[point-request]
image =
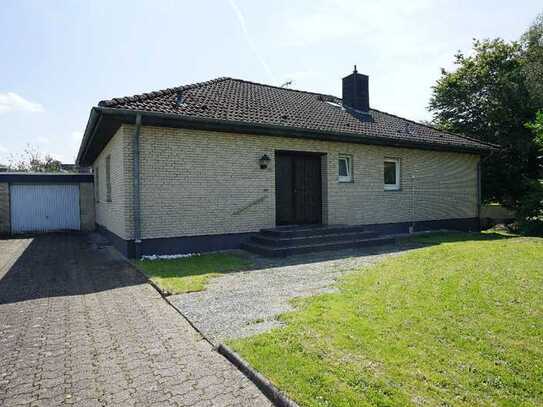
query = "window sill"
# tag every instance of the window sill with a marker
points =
(394, 189)
(345, 181)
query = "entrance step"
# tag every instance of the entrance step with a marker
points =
(289, 240)
(311, 230)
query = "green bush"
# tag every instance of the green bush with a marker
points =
(530, 210)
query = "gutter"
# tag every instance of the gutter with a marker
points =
(95, 118)
(136, 185)
(161, 119)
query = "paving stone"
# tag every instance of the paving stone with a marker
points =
(78, 325)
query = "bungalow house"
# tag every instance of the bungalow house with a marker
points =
(227, 162)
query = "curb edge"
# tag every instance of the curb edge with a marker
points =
(263, 384)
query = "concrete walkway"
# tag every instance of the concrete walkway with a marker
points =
(247, 303)
(80, 326)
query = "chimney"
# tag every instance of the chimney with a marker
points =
(355, 92)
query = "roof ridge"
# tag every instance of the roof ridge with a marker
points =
(148, 95)
(437, 129)
(282, 88)
(160, 92)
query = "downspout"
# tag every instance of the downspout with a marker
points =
(136, 186)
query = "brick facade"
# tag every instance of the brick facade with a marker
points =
(197, 183)
(116, 216)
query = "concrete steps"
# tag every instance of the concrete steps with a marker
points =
(290, 240)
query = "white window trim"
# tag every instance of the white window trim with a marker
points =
(349, 177)
(396, 186)
(108, 178)
(97, 183)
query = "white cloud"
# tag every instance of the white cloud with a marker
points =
(3, 149)
(332, 20)
(77, 136)
(249, 38)
(42, 140)
(302, 75)
(12, 102)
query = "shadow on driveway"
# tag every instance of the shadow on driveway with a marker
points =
(60, 265)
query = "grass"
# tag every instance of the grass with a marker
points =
(457, 323)
(190, 274)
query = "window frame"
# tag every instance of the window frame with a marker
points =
(97, 183)
(395, 186)
(108, 178)
(349, 177)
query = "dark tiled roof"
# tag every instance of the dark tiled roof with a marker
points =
(236, 100)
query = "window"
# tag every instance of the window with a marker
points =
(108, 178)
(392, 174)
(345, 168)
(97, 184)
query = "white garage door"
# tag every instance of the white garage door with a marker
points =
(44, 208)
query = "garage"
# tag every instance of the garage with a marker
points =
(39, 203)
(44, 208)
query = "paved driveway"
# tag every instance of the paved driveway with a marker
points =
(80, 326)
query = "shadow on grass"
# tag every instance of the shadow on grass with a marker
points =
(189, 274)
(453, 237)
(403, 243)
(185, 275)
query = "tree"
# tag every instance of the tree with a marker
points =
(32, 161)
(532, 43)
(537, 129)
(491, 96)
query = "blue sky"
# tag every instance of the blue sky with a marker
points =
(59, 58)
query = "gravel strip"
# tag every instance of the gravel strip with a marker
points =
(247, 303)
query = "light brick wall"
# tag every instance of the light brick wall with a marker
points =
(4, 209)
(195, 183)
(86, 206)
(115, 215)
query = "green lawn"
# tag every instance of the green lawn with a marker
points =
(457, 323)
(190, 274)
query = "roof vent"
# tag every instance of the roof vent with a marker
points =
(179, 100)
(406, 131)
(356, 92)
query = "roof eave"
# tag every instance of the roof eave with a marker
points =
(177, 121)
(90, 129)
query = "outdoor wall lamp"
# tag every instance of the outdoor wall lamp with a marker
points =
(264, 161)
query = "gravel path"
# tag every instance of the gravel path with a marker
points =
(247, 303)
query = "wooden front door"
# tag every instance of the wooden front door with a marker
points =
(298, 192)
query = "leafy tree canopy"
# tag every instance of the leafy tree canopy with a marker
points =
(33, 161)
(491, 95)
